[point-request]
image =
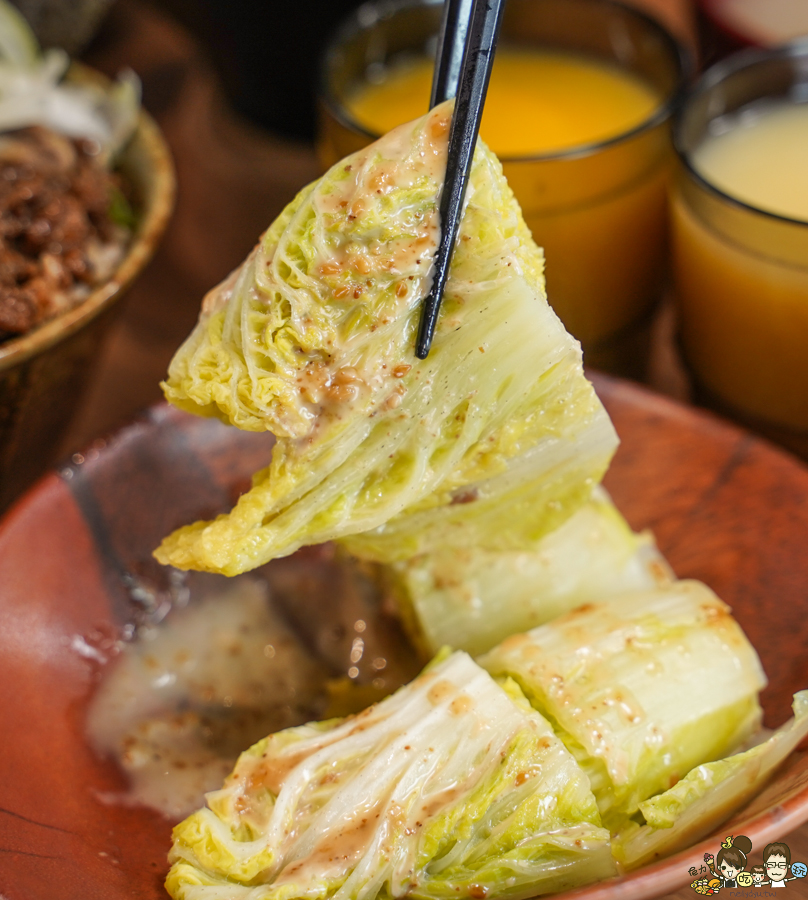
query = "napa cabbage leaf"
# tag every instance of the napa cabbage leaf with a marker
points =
(451, 787)
(473, 597)
(494, 439)
(641, 688)
(707, 795)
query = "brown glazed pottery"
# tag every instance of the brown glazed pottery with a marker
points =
(43, 374)
(726, 508)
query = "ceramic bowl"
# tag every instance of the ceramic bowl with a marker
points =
(726, 508)
(43, 374)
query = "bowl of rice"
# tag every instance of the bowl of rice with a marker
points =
(86, 191)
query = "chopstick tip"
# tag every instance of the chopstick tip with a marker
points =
(426, 328)
(423, 346)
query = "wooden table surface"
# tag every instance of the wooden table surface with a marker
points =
(233, 180)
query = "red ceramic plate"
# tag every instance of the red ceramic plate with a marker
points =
(726, 508)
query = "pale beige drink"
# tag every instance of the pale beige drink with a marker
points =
(744, 298)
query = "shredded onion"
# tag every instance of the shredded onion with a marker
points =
(33, 92)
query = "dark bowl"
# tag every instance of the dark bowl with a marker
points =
(726, 507)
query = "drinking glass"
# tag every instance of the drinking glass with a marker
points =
(599, 210)
(741, 273)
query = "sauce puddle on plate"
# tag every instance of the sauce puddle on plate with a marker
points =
(305, 639)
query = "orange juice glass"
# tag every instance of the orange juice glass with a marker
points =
(583, 134)
(740, 239)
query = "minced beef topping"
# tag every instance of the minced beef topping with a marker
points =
(57, 240)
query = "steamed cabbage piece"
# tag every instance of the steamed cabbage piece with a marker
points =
(704, 798)
(472, 598)
(495, 439)
(641, 688)
(452, 787)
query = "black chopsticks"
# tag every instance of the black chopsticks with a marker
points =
(478, 21)
(454, 27)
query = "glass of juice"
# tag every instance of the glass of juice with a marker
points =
(740, 239)
(578, 110)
